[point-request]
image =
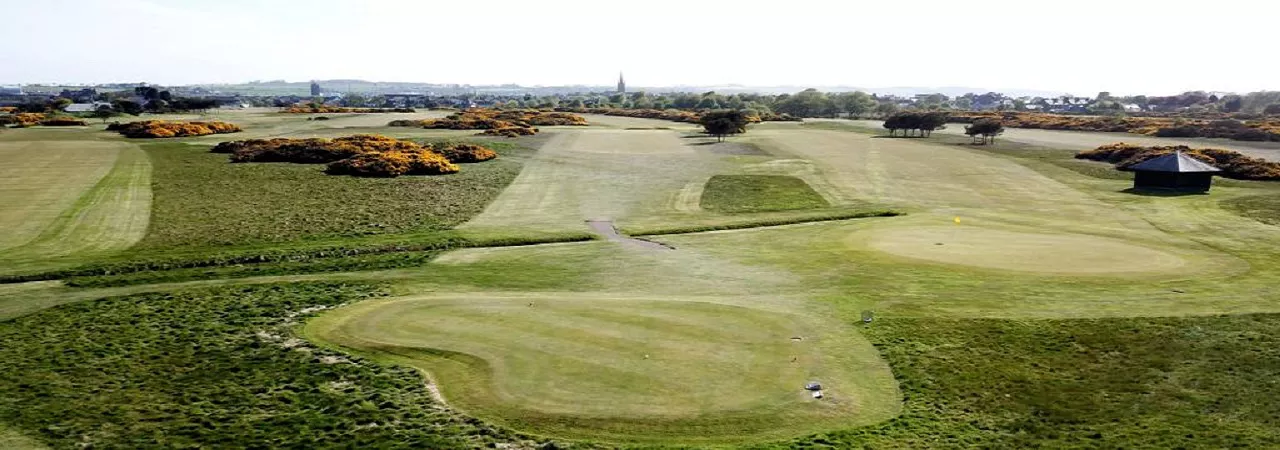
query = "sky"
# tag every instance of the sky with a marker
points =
(1079, 46)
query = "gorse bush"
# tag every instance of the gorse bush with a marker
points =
(360, 155)
(509, 132)
(1248, 130)
(1233, 164)
(166, 129)
(497, 122)
(466, 153)
(63, 121)
(393, 164)
(23, 119)
(311, 151)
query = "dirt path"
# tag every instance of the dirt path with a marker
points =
(605, 228)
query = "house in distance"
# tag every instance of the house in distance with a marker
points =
(1175, 171)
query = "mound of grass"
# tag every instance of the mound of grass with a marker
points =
(200, 200)
(624, 369)
(757, 193)
(371, 253)
(1204, 382)
(1263, 208)
(378, 261)
(213, 368)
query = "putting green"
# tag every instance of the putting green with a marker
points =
(1030, 252)
(627, 368)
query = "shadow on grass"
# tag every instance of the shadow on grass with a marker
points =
(881, 136)
(1162, 192)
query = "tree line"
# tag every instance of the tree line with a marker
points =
(916, 123)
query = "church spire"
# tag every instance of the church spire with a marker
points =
(622, 85)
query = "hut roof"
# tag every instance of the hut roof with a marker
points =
(1174, 162)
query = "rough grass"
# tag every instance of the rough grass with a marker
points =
(1205, 382)
(625, 368)
(1264, 208)
(756, 193)
(213, 367)
(202, 200)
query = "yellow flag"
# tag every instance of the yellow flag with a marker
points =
(957, 220)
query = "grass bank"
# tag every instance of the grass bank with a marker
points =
(757, 193)
(1203, 382)
(214, 367)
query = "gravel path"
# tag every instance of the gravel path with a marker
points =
(605, 228)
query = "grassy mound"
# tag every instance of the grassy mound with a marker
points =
(1201, 382)
(212, 368)
(1074, 254)
(623, 368)
(1233, 164)
(165, 129)
(1263, 208)
(757, 193)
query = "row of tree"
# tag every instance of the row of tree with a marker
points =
(916, 123)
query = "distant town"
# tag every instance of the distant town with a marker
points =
(358, 93)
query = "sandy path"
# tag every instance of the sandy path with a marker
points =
(605, 228)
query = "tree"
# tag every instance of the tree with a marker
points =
(922, 122)
(886, 109)
(806, 103)
(856, 104)
(1272, 109)
(128, 107)
(105, 112)
(987, 129)
(147, 92)
(156, 105)
(724, 123)
(1233, 104)
(60, 104)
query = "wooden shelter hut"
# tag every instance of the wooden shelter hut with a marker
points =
(1175, 171)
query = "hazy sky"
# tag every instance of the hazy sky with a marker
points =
(1078, 46)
